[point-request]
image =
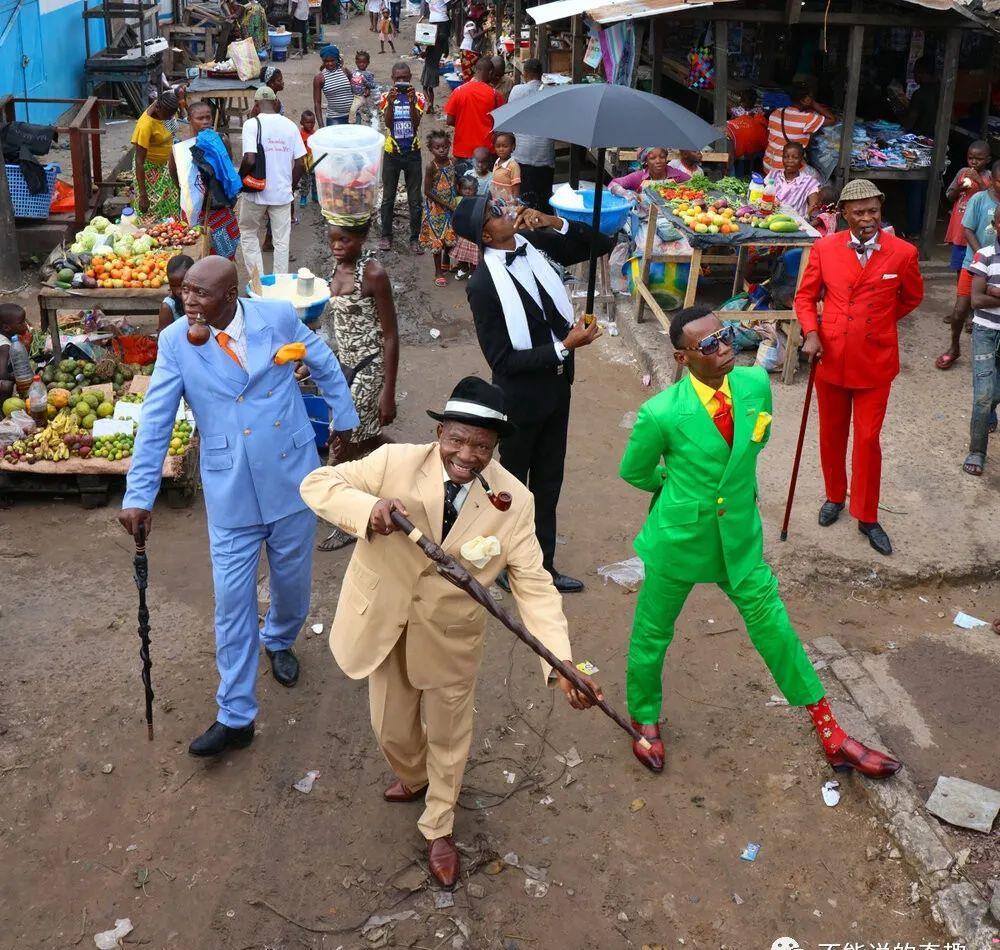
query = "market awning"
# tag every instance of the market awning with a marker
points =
(612, 11)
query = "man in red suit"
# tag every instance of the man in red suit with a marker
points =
(868, 280)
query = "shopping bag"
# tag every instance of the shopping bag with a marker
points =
(426, 34)
(244, 56)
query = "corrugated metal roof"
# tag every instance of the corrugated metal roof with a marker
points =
(612, 11)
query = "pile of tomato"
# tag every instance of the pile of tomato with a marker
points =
(174, 234)
(680, 192)
(144, 270)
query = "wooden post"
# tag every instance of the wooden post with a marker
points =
(721, 94)
(942, 129)
(658, 26)
(518, 7)
(579, 35)
(542, 45)
(10, 261)
(855, 46)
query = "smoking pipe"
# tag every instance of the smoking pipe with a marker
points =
(198, 333)
(499, 500)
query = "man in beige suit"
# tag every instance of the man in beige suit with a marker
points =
(418, 638)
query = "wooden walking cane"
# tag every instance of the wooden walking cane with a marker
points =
(452, 571)
(798, 449)
(141, 581)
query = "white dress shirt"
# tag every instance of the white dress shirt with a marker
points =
(521, 271)
(463, 492)
(237, 335)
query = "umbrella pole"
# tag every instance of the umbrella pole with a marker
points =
(588, 313)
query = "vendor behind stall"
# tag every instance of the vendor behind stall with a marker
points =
(795, 186)
(655, 167)
(156, 194)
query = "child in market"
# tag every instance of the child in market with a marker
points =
(13, 323)
(482, 166)
(970, 180)
(385, 30)
(686, 166)
(465, 253)
(506, 183)
(362, 83)
(440, 199)
(172, 307)
(307, 184)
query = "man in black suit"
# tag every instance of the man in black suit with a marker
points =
(524, 321)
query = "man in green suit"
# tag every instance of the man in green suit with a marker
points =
(695, 448)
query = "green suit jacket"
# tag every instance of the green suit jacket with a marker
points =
(703, 523)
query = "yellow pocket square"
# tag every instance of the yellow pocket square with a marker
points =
(289, 353)
(760, 426)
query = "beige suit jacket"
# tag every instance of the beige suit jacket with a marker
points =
(391, 586)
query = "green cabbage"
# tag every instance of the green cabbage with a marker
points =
(100, 223)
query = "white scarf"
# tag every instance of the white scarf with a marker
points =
(513, 309)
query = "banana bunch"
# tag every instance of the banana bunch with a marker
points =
(65, 423)
(47, 445)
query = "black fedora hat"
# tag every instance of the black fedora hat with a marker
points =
(468, 218)
(476, 403)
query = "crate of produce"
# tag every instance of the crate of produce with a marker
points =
(24, 203)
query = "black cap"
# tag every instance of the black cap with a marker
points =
(476, 403)
(468, 218)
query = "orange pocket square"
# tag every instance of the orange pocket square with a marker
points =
(289, 353)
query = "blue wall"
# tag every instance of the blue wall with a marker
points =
(50, 34)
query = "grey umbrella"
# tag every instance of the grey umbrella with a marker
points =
(601, 115)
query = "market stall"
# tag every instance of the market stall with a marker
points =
(708, 224)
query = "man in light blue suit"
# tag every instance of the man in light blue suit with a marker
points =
(257, 444)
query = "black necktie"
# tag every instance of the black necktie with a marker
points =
(512, 256)
(451, 490)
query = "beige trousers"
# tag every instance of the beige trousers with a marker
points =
(429, 749)
(253, 219)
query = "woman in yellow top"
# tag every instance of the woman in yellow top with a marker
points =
(156, 194)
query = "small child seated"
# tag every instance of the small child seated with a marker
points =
(686, 166)
(13, 324)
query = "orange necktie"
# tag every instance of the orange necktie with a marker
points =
(723, 416)
(224, 339)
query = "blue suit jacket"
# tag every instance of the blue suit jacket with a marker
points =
(257, 443)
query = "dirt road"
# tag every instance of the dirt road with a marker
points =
(97, 824)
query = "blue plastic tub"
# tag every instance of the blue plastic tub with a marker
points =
(308, 314)
(454, 80)
(614, 210)
(319, 416)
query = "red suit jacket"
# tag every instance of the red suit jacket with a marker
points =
(861, 306)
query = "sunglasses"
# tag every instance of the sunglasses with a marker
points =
(709, 345)
(501, 208)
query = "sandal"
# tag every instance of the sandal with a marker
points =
(945, 361)
(974, 463)
(441, 281)
(335, 540)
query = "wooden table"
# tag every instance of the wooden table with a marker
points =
(645, 298)
(223, 94)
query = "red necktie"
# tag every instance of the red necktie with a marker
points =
(224, 339)
(723, 417)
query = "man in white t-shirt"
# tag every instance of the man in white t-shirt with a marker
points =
(284, 154)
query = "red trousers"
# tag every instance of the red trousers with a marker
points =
(836, 405)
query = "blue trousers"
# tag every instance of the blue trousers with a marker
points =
(235, 558)
(985, 385)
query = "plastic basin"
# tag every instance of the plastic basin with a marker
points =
(453, 80)
(614, 210)
(319, 416)
(307, 314)
(279, 40)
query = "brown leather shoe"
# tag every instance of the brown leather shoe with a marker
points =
(398, 792)
(856, 755)
(652, 757)
(442, 859)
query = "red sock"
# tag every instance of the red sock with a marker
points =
(827, 727)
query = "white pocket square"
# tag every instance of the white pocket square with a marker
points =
(889, 276)
(480, 550)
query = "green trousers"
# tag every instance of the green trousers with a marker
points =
(661, 599)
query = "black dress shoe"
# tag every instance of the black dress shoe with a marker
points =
(217, 738)
(566, 584)
(502, 581)
(877, 537)
(830, 512)
(284, 666)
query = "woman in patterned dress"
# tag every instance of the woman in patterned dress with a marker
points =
(361, 321)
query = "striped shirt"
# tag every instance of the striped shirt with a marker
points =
(799, 126)
(338, 92)
(986, 263)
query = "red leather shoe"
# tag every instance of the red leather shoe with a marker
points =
(398, 792)
(652, 757)
(856, 755)
(442, 859)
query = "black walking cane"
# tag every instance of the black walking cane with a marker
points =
(793, 481)
(141, 581)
